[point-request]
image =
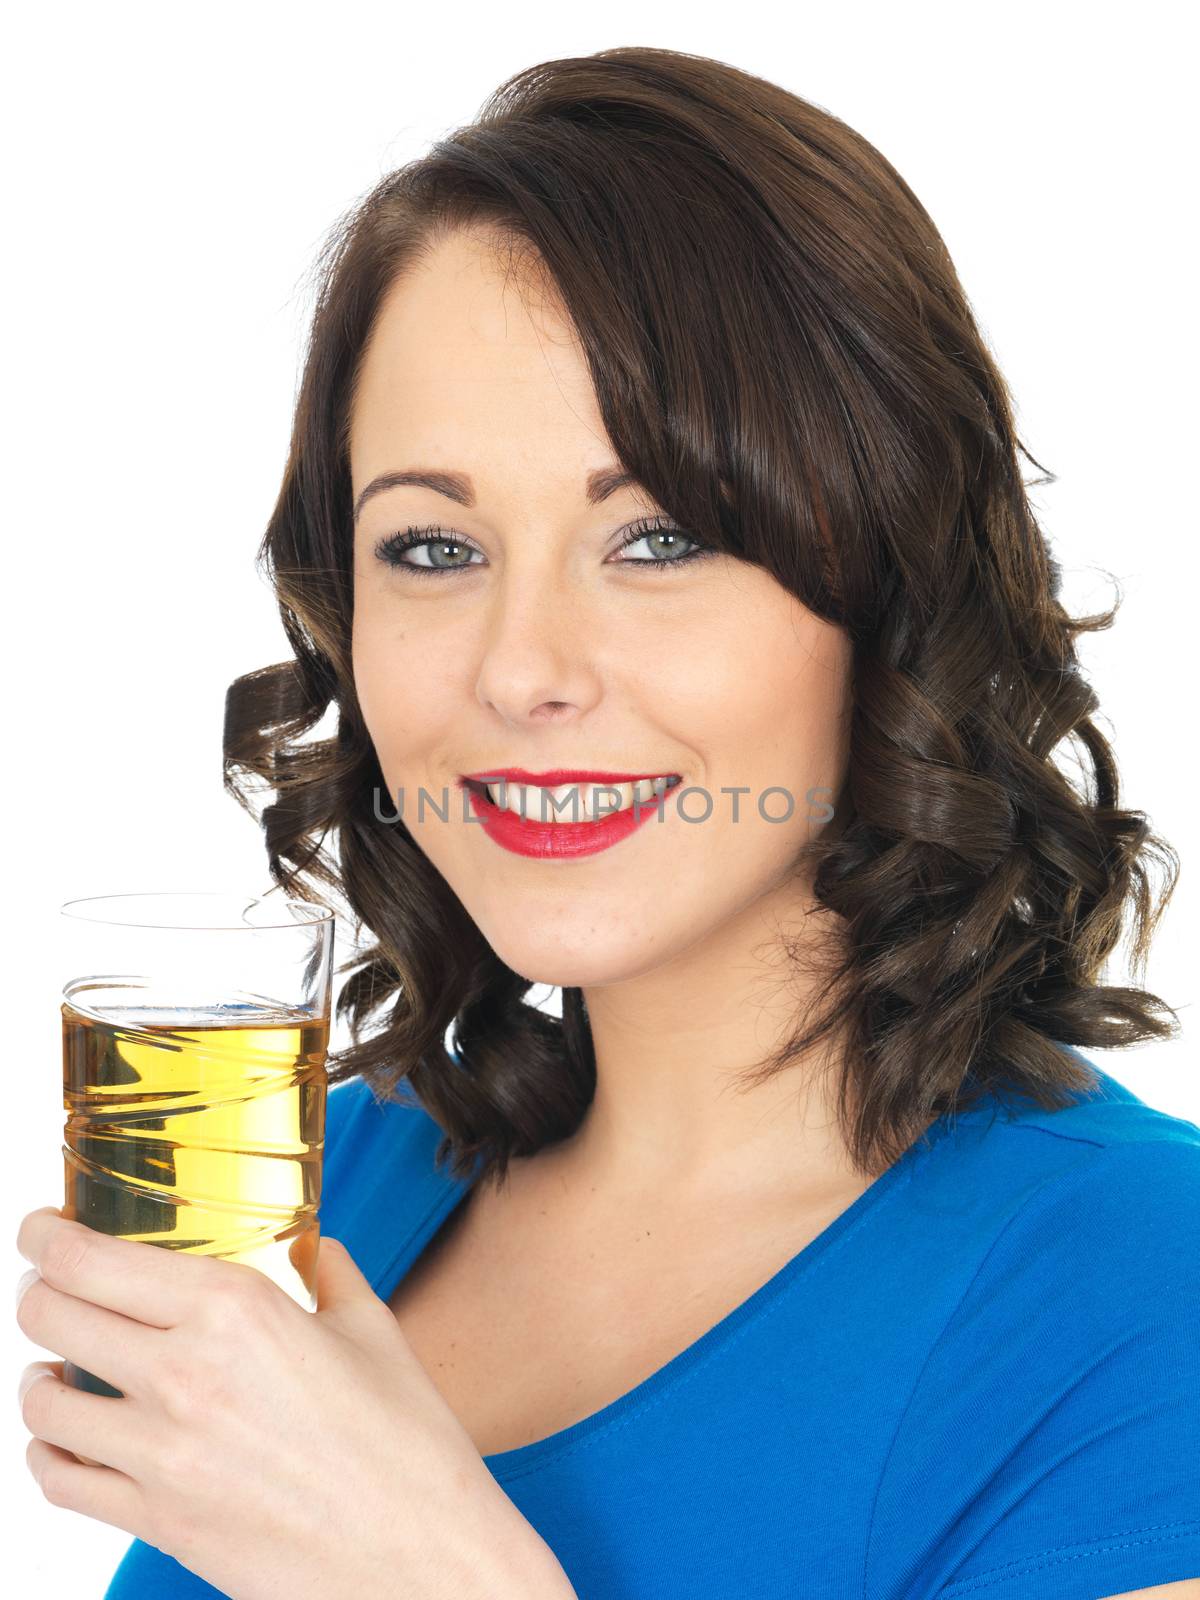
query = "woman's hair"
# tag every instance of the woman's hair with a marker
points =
(784, 358)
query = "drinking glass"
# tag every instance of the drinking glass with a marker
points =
(195, 1026)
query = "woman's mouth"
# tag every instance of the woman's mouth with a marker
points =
(568, 818)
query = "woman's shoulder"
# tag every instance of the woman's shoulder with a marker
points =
(380, 1175)
(1113, 1200)
(1056, 1406)
(1063, 1233)
(356, 1111)
(1055, 1240)
(1028, 1158)
(1110, 1113)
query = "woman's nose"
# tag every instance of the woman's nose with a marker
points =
(536, 651)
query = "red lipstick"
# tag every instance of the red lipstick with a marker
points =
(559, 840)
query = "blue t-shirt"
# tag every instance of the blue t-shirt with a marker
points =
(982, 1379)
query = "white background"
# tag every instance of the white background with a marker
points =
(170, 175)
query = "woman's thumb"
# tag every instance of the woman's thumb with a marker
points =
(340, 1284)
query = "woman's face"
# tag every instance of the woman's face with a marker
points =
(524, 636)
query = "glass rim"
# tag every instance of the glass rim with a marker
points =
(312, 915)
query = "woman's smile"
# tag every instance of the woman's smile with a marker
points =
(568, 819)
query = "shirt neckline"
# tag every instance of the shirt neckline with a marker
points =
(506, 1465)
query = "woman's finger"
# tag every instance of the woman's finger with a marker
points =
(144, 1281)
(103, 1430)
(98, 1492)
(102, 1342)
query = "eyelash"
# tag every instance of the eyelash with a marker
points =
(392, 546)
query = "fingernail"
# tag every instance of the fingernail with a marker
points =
(24, 1281)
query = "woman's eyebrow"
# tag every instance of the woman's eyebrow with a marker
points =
(457, 486)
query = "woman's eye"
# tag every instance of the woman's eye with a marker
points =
(442, 551)
(664, 541)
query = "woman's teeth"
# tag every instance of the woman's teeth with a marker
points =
(575, 802)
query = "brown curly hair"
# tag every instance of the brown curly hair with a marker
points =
(784, 358)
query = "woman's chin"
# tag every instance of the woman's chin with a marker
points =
(553, 961)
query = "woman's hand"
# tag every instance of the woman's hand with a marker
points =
(272, 1450)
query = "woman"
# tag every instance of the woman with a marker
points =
(654, 522)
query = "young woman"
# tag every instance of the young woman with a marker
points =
(654, 523)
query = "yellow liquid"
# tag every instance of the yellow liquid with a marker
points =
(198, 1132)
